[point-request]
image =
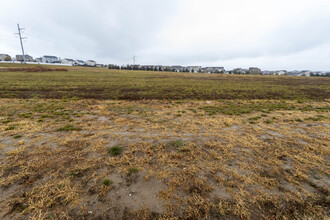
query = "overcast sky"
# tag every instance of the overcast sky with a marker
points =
(270, 34)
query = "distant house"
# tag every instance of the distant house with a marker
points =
(91, 63)
(147, 67)
(305, 73)
(134, 67)
(38, 60)
(68, 61)
(101, 65)
(239, 71)
(294, 73)
(194, 69)
(159, 68)
(49, 59)
(281, 72)
(267, 72)
(177, 68)
(254, 70)
(5, 57)
(213, 70)
(166, 68)
(20, 58)
(80, 63)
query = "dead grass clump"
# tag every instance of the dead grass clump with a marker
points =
(45, 200)
(198, 208)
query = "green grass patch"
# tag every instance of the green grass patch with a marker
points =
(176, 143)
(106, 182)
(68, 127)
(115, 150)
(10, 128)
(234, 108)
(17, 136)
(132, 170)
(75, 173)
(8, 120)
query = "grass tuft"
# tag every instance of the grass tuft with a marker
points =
(176, 143)
(10, 128)
(107, 182)
(68, 127)
(115, 150)
(17, 136)
(132, 170)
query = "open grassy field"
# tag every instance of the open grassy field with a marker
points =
(147, 145)
(101, 83)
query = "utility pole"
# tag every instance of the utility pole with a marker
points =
(134, 58)
(21, 38)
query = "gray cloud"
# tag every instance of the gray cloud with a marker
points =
(208, 32)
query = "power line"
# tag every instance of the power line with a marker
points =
(21, 38)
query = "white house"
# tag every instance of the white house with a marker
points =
(80, 63)
(281, 72)
(38, 60)
(214, 70)
(305, 73)
(177, 68)
(194, 69)
(68, 61)
(90, 63)
(49, 59)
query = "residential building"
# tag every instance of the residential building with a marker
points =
(147, 67)
(281, 72)
(194, 69)
(91, 63)
(68, 61)
(20, 58)
(305, 73)
(101, 65)
(254, 70)
(159, 68)
(5, 57)
(38, 60)
(238, 71)
(213, 70)
(80, 63)
(267, 72)
(177, 68)
(49, 59)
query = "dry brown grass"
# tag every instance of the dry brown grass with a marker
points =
(32, 69)
(187, 163)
